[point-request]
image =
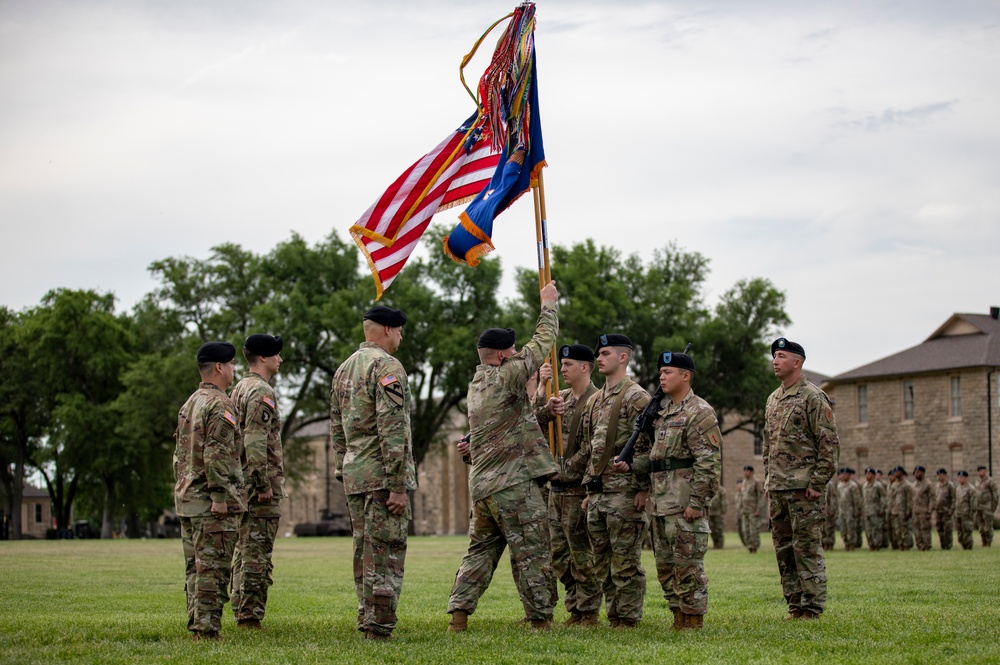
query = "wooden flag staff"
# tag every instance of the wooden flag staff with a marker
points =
(544, 277)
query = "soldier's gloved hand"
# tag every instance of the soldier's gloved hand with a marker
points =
(556, 406)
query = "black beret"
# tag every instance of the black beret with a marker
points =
(386, 316)
(678, 360)
(964, 473)
(944, 471)
(748, 467)
(580, 352)
(263, 345)
(786, 345)
(216, 352)
(497, 338)
(918, 468)
(841, 470)
(877, 471)
(613, 339)
(980, 468)
(870, 470)
(850, 470)
(902, 471)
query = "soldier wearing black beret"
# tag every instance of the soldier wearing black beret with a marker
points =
(923, 508)
(965, 510)
(386, 316)
(500, 339)
(945, 498)
(216, 352)
(987, 497)
(263, 468)
(752, 502)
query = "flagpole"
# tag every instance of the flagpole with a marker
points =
(544, 277)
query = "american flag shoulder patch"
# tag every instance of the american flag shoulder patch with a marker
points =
(268, 401)
(227, 414)
(388, 379)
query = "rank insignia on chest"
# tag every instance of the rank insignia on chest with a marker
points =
(230, 417)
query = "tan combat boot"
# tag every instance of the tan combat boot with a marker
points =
(694, 622)
(590, 619)
(678, 618)
(459, 622)
(541, 624)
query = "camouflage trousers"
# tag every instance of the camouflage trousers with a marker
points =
(887, 532)
(875, 531)
(679, 548)
(514, 516)
(252, 566)
(985, 520)
(572, 555)
(739, 528)
(717, 525)
(617, 532)
(922, 530)
(850, 531)
(945, 526)
(902, 533)
(965, 525)
(379, 555)
(208, 556)
(797, 531)
(516, 574)
(751, 531)
(829, 538)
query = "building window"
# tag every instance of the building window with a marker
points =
(956, 397)
(907, 400)
(862, 404)
(38, 513)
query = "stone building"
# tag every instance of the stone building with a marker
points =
(36, 512)
(935, 404)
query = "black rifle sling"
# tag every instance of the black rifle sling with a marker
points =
(609, 443)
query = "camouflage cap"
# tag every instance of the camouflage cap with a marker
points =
(216, 352)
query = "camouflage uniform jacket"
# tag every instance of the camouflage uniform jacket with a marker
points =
(718, 505)
(986, 494)
(944, 499)
(832, 499)
(801, 447)
(923, 496)
(260, 444)
(901, 499)
(207, 457)
(593, 437)
(506, 445)
(850, 500)
(875, 498)
(965, 500)
(688, 429)
(752, 492)
(370, 423)
(544, 417)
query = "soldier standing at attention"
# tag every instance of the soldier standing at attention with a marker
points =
(510, 458)
(902, 510)
(370, 433)
(263, 471)
(923, 504)
(717, 517)
(208, 492)
(885, 517)
(572, 556)
(874, 499)
(831, 499)
(752, 497)
(739, 511)
(944, 508)
(849, 509)
(986, 502)
(965, 510)
(616, 500)
(684, 469)
(801, 449)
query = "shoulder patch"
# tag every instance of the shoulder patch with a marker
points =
(388, 379)
(268, 401)
(227, 414)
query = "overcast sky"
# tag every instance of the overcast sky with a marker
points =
(847, 151)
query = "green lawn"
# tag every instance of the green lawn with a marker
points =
(123, 602)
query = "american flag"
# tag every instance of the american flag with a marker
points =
(449, 175)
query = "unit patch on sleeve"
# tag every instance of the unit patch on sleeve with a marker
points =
(393, 390)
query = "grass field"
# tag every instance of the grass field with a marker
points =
(123, 602)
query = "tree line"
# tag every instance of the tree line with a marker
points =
(89, 395)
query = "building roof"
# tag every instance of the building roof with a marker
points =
(32, 492)
(963, 341)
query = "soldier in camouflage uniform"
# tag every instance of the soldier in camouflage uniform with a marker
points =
(739, 511)
(965, 510)
(875, 499)
(986, 505)
(885, 517)
(923, 505)
(684, 465)
(370, 434)
(751, 498)
(849, 510)
(510, 458)
(831, 500)
(801, 449)
(616, 500)
(717, 517)
(944, 508)
(901, 505)
(209, 495)
(263, 469)
(572, 555)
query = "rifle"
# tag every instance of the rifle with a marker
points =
(643, 422)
